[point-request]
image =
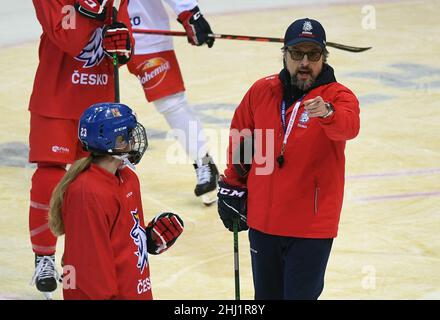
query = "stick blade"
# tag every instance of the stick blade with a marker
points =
(209, 198)
(116, 4)
(347, 48)
(48, 295)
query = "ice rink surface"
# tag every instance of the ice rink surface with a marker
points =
(389, 239)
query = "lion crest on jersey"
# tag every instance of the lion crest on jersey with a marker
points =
(93, 53)
(139, 236)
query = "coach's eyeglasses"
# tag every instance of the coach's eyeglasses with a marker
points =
(298, 55)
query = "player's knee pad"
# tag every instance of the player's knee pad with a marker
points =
(171, 103)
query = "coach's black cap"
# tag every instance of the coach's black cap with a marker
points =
(305, 30)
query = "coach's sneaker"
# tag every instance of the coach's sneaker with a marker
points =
(207, 177)
(45, 276)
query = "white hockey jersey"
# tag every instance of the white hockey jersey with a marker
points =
(151, 14)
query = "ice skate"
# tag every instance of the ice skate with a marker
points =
(207, 178)
(45, 276)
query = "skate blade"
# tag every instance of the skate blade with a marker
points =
(209, 198)
(48, 295)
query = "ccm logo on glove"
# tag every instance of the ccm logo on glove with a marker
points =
(232, 193)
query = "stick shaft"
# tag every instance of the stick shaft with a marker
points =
(116, 77)
(246, 38)
(236, 260)
(115, 9)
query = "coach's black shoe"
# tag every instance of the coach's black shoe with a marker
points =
(45, 276)
(207, 179)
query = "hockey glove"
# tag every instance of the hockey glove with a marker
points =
(163, 231)
(94, 9)
(116, 39)
(231, 205)
(196, 27)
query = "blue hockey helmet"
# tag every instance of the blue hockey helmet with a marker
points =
(112, 128)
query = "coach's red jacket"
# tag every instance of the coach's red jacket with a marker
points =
(304, 197)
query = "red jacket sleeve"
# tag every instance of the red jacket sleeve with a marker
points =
(88, 219)
(344, 123)
(242, 125)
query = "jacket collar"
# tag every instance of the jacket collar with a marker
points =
(291, 93)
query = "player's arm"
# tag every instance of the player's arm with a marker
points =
(344, 122)
(179, 6)
(232, 192)
(240, 148)
(124, 18)
(67, 29)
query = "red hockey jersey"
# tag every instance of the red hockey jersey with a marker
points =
(105, 254)
(74, 72)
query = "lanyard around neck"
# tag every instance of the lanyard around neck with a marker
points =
(289, 128)
(292, 118)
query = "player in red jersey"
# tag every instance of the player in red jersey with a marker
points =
(97, 205)
(74, 72)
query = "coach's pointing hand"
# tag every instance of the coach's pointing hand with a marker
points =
(317, 107)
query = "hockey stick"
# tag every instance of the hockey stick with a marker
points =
(236, 262)
(246, 38)
(116, 5)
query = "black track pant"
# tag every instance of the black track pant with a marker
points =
(288, 268)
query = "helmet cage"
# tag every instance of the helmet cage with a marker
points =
(139, 144)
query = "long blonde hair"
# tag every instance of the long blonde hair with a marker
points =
(56, 222)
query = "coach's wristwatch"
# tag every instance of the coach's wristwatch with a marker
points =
(330, 110)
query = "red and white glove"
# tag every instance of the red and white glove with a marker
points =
(94, 9)
(116, 39)
(196, 27)
(163, 231)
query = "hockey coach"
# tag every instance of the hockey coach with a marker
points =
(300, 119)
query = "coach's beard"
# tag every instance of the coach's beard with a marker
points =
(303, 84)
